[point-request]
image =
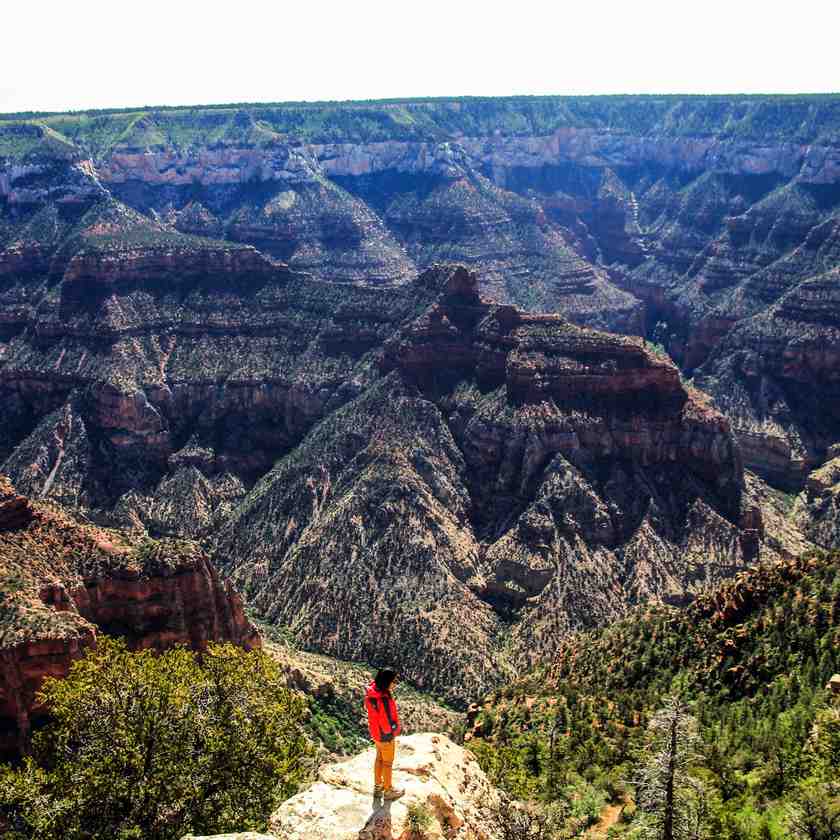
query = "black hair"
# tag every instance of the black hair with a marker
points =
(384, 678)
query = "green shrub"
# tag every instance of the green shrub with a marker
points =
(419, 819)
(154, 746)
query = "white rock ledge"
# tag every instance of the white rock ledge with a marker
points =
(435, 772)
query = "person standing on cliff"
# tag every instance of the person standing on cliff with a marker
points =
(384, 726)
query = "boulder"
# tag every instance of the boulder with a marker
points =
(438, 776)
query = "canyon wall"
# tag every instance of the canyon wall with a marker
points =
(510, 476)
(63, 582)
(680, 218)
(246, 325)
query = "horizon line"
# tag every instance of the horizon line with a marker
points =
(409, 100)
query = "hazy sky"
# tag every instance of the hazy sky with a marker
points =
(90, 54)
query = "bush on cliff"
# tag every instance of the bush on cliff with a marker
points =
(145, 745)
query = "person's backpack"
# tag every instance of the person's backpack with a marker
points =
(383, 721)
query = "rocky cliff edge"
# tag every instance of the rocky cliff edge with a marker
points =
(440, 777)
(63, 581)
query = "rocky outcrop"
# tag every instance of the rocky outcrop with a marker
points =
(817, 509)
(63, 582)
(437, 775)
(528, 474)
(15, 510)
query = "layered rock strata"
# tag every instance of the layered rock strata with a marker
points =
(161, 348)
(675, 218)
(817, 509)
(63, 582)
(508, 470)
(161, 373)
(754, 318)
(551, 474)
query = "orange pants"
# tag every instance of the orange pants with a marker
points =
(384, 762)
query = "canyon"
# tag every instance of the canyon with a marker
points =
(701, 222)
(491, 369)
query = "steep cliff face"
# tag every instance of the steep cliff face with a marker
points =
(510, 474)
(444, 208)
(378, 226)
(674, 218)
(62, 582)
(775, 373)
(747, 318)
(159, 374)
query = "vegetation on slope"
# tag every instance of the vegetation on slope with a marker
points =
(751, 659)
(152, 746)
(795, 118)
(335, 690)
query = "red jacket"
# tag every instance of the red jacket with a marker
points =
(383, 722)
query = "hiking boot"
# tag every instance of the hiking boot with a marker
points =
(393, 793)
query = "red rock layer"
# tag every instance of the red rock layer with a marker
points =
(63, 582)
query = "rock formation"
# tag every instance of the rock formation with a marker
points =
(508, 470)
(688, 220)
(61, 582)
(817, 510)
(437, 774)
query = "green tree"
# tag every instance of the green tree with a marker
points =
(823, 748)
(783, 749)
(155, 745)
(815, 811)
(510, 819)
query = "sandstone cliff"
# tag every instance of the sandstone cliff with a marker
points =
(61, 582)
